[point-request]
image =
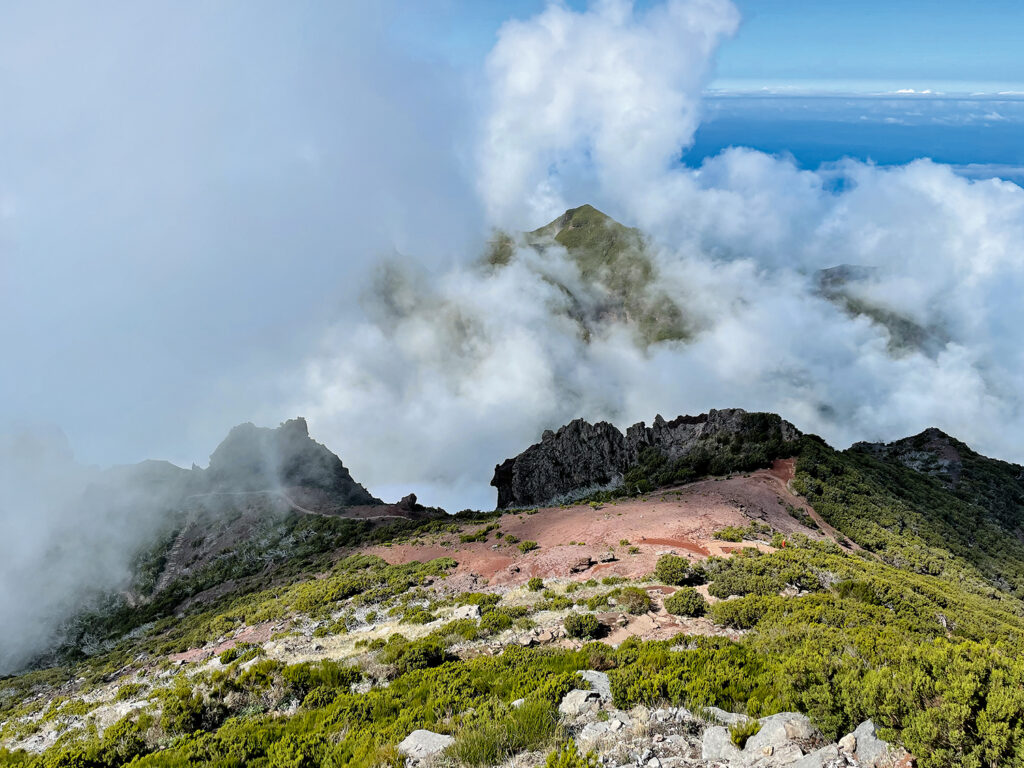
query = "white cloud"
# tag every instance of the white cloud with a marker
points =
(594, 107)
(610, 89)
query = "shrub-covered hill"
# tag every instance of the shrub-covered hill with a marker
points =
(619, 276)
(928, 504)
(332, 657)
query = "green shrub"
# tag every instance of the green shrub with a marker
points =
(743, 730)
(686, 601)
(634, 600)
(484, 599)
(129, 691)
(409, 656)
(857, 590)
(511, 538)
(744, 613)
(495, 621)
(535, 584)
(481, 535)
(241, 652)
(303, 678)
(674, 570)
(582, 625)
(528, 546)
(568, 756)
(466, 629)
(556, 603)
(182, 710)
(417, 615)
(730, 533)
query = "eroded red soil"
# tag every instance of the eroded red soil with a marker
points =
(623, 538)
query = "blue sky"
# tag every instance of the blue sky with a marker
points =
(917, 41)
(774, 80)
(906, 43)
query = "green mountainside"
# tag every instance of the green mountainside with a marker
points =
(297, 647)
(620, 278)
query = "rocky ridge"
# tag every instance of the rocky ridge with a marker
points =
(582, 457)
(931, 452)
(676, 737)
(255, 458)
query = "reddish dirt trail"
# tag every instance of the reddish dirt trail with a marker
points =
(785, 470)
(681, 520)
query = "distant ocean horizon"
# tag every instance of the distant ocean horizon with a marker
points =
(980, 137)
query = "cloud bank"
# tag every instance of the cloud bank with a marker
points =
(208, 231)
(453, 372)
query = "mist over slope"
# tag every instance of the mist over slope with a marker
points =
(79, 538)
(716, 298)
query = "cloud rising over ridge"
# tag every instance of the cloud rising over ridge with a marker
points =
(229, 214)
(470, 365)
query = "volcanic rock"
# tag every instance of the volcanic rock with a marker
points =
(581, 458)
(255, 458)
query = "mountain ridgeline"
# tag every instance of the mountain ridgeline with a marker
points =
(583, 458)
(735, 593)
(927, 503)
(621, 280)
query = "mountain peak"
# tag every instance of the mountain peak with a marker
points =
(255, 458)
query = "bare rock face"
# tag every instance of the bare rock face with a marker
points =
(581, 458)
(932, 452)
(578, 456)
(254, 458)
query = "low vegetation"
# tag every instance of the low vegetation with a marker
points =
(740, 732)
(582, 625)
(921, 630)
(686, 601)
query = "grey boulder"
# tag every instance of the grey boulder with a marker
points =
(422, 744)
(778, 730)
(578, 703)
(599, 683)
(717, 745)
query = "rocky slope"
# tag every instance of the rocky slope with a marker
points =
(745, 596)
(581, 457)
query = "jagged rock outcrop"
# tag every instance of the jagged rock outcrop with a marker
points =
(582, 457)
(931, 452)
(255, 458)
(579, 456)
